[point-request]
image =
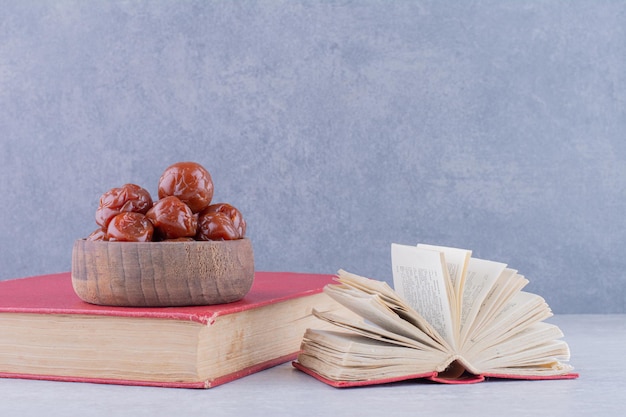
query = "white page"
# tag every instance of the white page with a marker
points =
(509, 284)
(538, 334)
(372, 331)
(523, 310)
(349, 283)
(373, 309)
(420, 277)
(457, 261)
(481, 277)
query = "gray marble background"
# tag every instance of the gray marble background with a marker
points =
(337, 127)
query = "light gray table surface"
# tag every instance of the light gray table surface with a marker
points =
(597, 342)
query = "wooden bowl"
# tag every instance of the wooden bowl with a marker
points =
(162, 274)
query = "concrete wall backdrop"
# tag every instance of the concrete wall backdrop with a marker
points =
(337, 127)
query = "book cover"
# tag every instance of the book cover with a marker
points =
(30, 308)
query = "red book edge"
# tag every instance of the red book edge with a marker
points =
(428, 376)
(54, 294)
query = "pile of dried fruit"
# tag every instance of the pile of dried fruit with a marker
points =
(183, 211)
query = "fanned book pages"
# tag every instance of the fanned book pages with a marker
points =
(450, 318)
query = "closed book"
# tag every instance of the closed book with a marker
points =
(48, 333)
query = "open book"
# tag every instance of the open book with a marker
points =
(452, 318)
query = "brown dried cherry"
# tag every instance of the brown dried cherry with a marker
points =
(128, 197)
(190, 182)
(172, 218)
(130, 227)
(233, 214)
(98, 234)
(216, 226)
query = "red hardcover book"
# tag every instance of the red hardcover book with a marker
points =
(47, 332)
(494, 330)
